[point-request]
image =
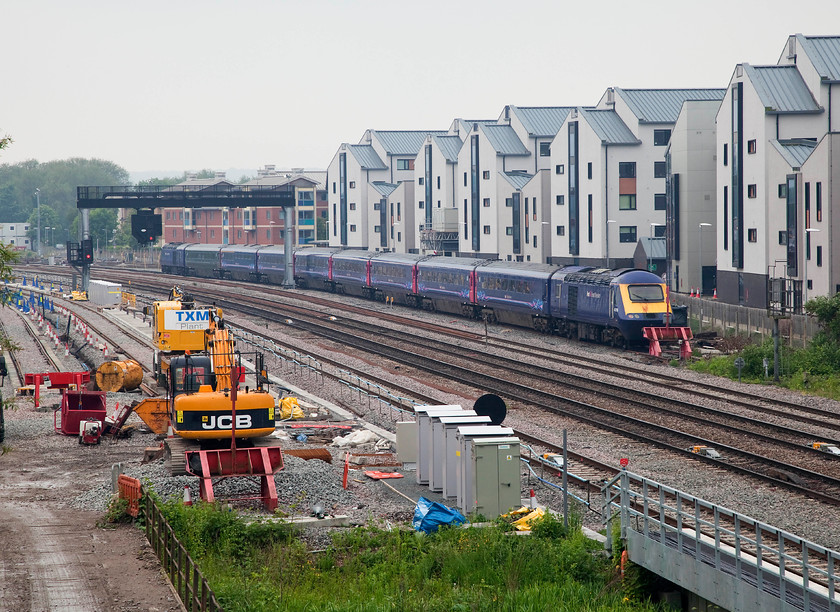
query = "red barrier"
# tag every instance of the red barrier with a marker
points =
(129, 488)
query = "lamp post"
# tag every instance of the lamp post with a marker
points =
(38, 201)
(700, 227)
(808, 230)
(607, 239)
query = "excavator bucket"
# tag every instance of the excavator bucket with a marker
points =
(154, 413)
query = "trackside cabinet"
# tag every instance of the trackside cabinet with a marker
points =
(424, 415)
(445, 444)
(495, 478)
(465, 473)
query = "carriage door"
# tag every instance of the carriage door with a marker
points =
(613, 309)
(414, 278)
(473, 274)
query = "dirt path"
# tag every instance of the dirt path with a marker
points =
(52, 556)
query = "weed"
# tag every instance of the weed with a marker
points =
(117, 512)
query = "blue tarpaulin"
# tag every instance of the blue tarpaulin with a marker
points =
(429, 516)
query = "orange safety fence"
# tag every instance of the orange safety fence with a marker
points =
(129, 488)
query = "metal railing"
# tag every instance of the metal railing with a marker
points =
(397, 406)
(283, 354)
(189, 583)
(772, 561)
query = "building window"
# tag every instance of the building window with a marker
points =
(352, 206)
(752, 235)
(405, 164)
(212, 233)
(486, 229)
(421, 204)
(535, 246)
(751, 146)
(420, 228)
(509, 231)
(239, 233)
(627, 170)
(751, 191)
(485, 175)
(352, 228)
(545, 149)
(659, 201)
(421, 181)
(783, 190)
(561, 199)
(725, 154)
(486, 203)
(377, 229)
(661, 137)
(627, 233)
(333, 186)
(377, 206)
(561, 230)
(174, 234)
(819, 256)
(559, 169)
(399, 236)
(819, 201)
(352, 184)
(589, 170)
(783, 237)
(660, 169)
(167, 216)
(268, 234)
(465, 179)
(627, 202)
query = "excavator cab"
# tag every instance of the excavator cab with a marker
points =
(189, 373)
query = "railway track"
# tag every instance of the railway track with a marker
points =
(807, 481)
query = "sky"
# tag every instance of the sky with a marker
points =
(180, 85)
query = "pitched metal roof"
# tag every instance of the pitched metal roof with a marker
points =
(449, 145)
(541, 120)
(654, 247)
(609, 127)
(518, 178)
(367, 157)
(663, 105)
(404, 142)
(781, 89)
(504, 140)
(824, 52)
(467, 124)
(795, 151)
(384, 188)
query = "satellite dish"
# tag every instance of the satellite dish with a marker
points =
(492, 406)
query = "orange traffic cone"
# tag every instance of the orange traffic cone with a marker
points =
(714, 295)
(187, 496)
(533, 500)
(105, 352)
(692, 292)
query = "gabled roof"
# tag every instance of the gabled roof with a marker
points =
(518, 178)
(541, 120)
(663, 105)
(504, 140)
(824, 52)
(384, 188)
(655, 247)
(467, 124)
(795, 151)
(781, 89)
(449, 145)
(609, 127)
(367, 157)
(403, 142)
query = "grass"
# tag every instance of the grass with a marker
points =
(266, 568)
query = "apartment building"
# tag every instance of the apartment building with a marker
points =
(775, 176)
(15, 234)
(609, 177)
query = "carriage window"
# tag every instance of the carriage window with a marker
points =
(645, 293)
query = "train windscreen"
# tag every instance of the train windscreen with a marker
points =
(645, 293)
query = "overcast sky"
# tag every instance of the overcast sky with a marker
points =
(189, 84)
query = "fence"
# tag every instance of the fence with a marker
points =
(728, 319)
(188, 581)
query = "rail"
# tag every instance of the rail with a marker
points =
(723, 556)
(187, 580)
(297, 359)
(372, 390)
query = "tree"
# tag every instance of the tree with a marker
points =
(827, 311)
(7, 253)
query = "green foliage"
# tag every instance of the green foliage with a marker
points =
(117, 512)
(57, 181)
(367, 568)
(8, 256)
(827, 311)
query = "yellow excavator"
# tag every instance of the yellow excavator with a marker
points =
(205, 407)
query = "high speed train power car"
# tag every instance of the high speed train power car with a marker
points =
(598, 304)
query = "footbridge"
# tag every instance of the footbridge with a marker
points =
(724, 557)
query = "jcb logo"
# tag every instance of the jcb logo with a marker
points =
(243, 421)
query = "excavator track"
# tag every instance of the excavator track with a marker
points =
(174, 453)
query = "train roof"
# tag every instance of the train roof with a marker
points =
(315, 251)
(461, 263)
(411, 258)
(517, 268)
(199, 247)
(352, 254)
(240, 248)
(272, 249)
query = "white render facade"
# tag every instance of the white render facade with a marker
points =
(772, 120)
(15, 234)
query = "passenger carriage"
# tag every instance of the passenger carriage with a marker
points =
(350, 273)
(271, 265)
(313, 268)
(447, 284)
(239, 262)
(394, 275)
(517, 294)
(202, 260)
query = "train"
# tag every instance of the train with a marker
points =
(583, 302)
